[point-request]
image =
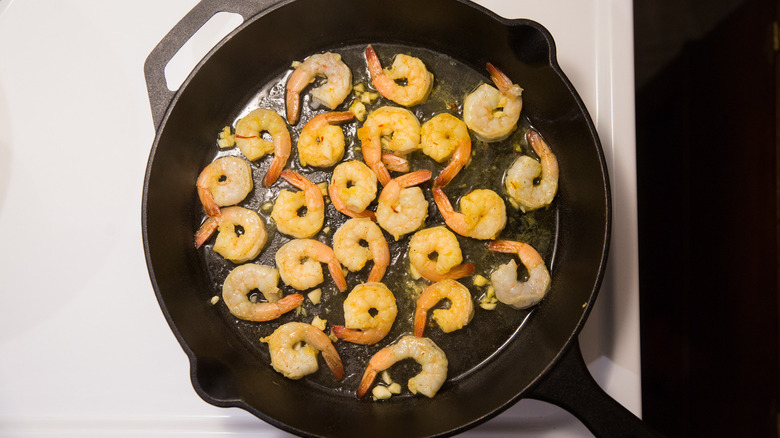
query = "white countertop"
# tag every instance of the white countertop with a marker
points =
(87, 352)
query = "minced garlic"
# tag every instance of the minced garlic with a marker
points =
(315, 296)
(319, 323)
(226, 139)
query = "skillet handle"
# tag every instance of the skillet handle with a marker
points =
(570, 385)
(160, 96)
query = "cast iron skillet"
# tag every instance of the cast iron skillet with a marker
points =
(542, 360)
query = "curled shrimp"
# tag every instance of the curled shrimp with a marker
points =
(294, 347)
(424, 351)
(287, 205)
(493, 114)
(482, 216)
(329, 94)
(229, 244)
(242, 280)
(321, 143)
(369, 313)
(348, 249)
(442, 137)
(521, 177)
(352, 188)
(250, 142)
(510, 290)
(455, 317)
(442, 243)
(225, 181)
(392, 128)
(402, 208)
(418, 80)
(299, 264)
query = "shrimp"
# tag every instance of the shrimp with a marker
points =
(226, 181)
(251, 143)
(287, 205)
(419, 81)
(403, 208)
(455, 317)
(395, 129)
(238, 248)
(246, 278)
(445, 136)
(352, 188)
(521, 176)
(424, 351)
(351, 254)
(330, 94)
(520, 294)
(482, 216)
(294, 346)
(493, 114)
(321, 143)
(369, 313)
(299, 264)
(447, 262)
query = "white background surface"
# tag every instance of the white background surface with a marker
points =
(84, 347)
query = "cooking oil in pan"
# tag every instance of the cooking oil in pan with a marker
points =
(489, 330)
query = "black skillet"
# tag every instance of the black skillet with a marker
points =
(538, 358)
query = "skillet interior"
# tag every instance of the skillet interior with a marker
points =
(225, 367)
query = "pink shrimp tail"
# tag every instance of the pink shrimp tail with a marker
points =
(414, 178)
(460, 271)
(337, 117)
(377, 273)
(333, 361)
(206, 230)
(372, 60)
(502, 81)
(420, 318)
(293, 106)
(334, 267)
(506, 246)
(366, 381)
(395, 163)
(362, 337)
(459, 159)
(289, 303)
(382, 174)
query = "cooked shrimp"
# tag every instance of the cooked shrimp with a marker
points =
(395, 162)
(352, 188)
(482, 216)
(442, 137)
(442, 243)
(246, 278)
(294, 346)
(403, 208)
(511, 291)
(321, 143)
(369, 313)
(226, 181)
(238, 248)
(424, 351)
(395, 129)
(250, 142)
(330, 94)
(459, 313)
(521, 176)
(418, 80)
(493, 114)
(348, 249)
(299, 264)
(287, 205)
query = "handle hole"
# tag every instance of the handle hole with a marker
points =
(190, 54)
